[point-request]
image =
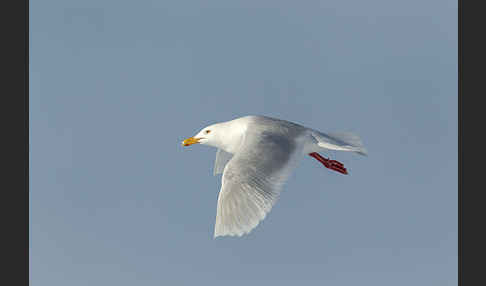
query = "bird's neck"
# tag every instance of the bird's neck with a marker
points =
(231, 136)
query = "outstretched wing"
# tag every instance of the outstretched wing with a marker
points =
(252, 181)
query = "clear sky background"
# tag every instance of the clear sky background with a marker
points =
(115, 86)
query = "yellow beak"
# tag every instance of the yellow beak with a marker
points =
(190, 141)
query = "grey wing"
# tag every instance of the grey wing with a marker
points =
(222, 158)
(252, 182)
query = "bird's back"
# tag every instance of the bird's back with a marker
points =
(265, 124)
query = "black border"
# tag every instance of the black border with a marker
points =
(14, 212)
(471, 116)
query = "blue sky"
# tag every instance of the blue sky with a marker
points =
(116, 85)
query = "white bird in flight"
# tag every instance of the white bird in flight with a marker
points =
(256, 154)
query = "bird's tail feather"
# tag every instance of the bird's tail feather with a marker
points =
(342, 141)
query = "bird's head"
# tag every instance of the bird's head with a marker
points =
(224, 135)
(207, 136)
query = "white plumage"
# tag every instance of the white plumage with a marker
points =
(256, 154)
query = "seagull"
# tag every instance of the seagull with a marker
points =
(256, 155)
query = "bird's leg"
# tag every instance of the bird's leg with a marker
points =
(331, 164)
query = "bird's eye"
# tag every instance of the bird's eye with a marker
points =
(207, 131)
